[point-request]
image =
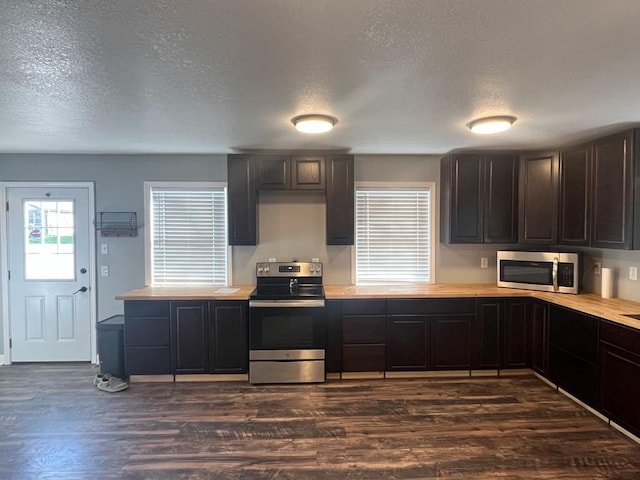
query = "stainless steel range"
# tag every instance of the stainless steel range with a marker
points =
(287, 323)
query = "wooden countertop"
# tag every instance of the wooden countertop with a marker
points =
(592, 304)
(236, 292)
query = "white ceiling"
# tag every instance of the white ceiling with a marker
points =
(402, 76)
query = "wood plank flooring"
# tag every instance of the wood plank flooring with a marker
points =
(55, 424)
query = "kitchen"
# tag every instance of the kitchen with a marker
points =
(119, 176)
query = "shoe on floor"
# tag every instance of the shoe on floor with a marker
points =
(100, 377)
(112, 385)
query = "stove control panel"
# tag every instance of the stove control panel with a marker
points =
(289, 269)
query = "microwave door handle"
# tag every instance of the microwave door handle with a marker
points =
(554, 274)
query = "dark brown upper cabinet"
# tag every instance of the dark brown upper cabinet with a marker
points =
(282, 172)
(273, 172)
(478, 198)
(615, 204)
(308, 172)
(575, 183)
(247, 174)
(340, 200)
(538, 216)
(242, 200)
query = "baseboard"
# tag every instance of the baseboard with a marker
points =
(625, 431)
(584, 405)
(203, 377)
(2, 360)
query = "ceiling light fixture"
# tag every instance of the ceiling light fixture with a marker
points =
(314, 123)
(487, 125)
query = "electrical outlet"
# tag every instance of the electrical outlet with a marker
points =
(484, 262)
(597, 268)
(104, 270)
(104, 248)
(633, 273)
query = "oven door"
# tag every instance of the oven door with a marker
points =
(286, 325)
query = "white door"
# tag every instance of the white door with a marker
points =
(48, 233)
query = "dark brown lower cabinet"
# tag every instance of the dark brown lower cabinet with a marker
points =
(539, 336)
(486, 333)
(333, 350)
(189, 334)
(516, 335)
(147, 337)
(185, 337)
(573, 353)
(364, 335)
(407, 342)
(228, 337)
(451, 342)
(619, 374)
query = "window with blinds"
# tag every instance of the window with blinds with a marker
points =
(188, 235)
(393, 235)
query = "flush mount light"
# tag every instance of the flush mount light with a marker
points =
(314, 123)
(488, 125)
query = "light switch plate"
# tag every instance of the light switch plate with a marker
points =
(104, 270)
(104, 248)
(484, 262)
(633, 273)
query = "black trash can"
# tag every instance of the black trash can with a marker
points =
(110, 333)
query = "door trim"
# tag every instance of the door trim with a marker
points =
(5, 358)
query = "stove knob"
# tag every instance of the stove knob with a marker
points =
(266, 269)
(260, 269)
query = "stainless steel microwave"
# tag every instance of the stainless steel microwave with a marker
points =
(544, 271)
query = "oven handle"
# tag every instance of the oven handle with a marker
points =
(285, 303)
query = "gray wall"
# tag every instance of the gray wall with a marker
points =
(291, 224)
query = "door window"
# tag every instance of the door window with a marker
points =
(49, 236)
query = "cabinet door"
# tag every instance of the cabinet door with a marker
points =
(515, 346)
(451, 342)
(189, 334)
(500, 198)
(573, 353)
(273, 172)
(242, 198)
(307, 173)
(575, 179)
(487, 333)
(538, 199)
(619, 374)
(407, 342)
(340, 200)
(228, 337)
(461, 213)
(539, 337)
(613, 184)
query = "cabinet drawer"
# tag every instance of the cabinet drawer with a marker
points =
(363, 358)
(620, 336)
(146, 332)
(364, 307)
(430, 306)
(364, 329)
(148, 360)
(146, 308)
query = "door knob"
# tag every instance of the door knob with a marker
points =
(81, 289)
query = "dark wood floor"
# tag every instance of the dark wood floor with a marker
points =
(55, 424)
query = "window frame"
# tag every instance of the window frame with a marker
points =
(148, 186)
(431, 186)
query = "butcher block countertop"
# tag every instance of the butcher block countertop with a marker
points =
(241, 292)
(592, 304)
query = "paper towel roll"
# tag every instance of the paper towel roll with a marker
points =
(607, 282)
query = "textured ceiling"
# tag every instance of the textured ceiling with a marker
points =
(402, 76)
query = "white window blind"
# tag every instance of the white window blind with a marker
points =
(392, 235)
(188, 236)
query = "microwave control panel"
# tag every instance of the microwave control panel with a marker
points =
(565, 274)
